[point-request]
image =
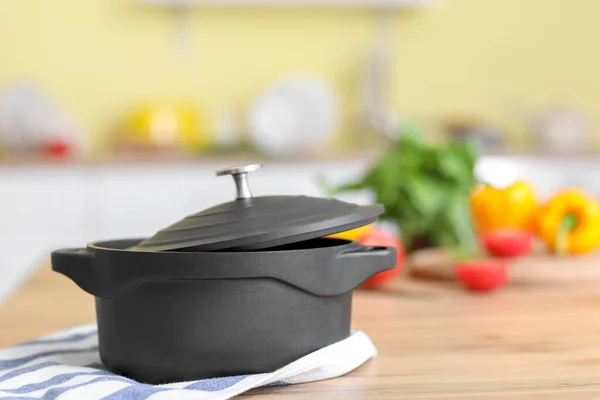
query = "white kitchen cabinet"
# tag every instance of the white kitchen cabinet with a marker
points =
(49, 207)
(547, 173)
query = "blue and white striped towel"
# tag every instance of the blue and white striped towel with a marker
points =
(66, 365)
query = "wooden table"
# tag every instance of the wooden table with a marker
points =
(528, 341)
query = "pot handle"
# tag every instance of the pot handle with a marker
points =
(356, 266)
(75, 264)
(325, 274)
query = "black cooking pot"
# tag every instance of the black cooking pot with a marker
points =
(212, 296)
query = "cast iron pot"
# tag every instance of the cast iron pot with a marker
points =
(167, 316)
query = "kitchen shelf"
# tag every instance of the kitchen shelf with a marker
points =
(340, 156)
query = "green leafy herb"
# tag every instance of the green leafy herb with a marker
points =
(424, 188)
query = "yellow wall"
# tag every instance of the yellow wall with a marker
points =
(456, 57)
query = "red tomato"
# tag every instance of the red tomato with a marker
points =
(481, 275)
(507, 242)
(378, 237)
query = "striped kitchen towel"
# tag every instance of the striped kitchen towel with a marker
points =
(66, 365)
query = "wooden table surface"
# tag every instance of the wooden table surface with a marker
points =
(532, 340)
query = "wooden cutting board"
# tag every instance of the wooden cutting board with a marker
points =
(437, 264)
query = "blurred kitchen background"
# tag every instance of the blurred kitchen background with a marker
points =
(114, 114)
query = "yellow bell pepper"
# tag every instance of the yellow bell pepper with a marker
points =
(569, 223)
(353, 234)
(513, 207)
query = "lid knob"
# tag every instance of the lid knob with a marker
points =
(240, 177)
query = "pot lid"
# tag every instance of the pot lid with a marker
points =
(252, 223)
